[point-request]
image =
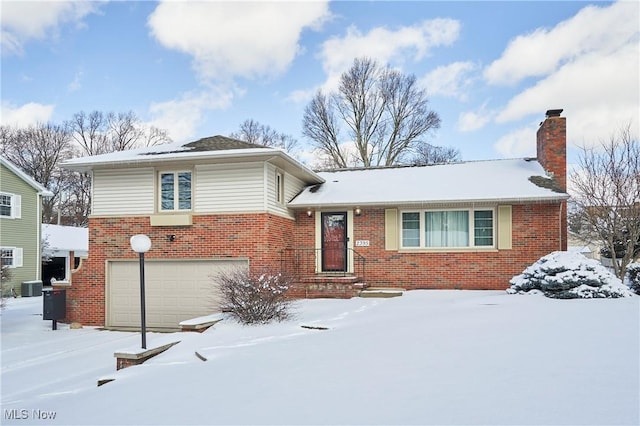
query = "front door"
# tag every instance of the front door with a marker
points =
(334, 242)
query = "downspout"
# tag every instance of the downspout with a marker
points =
(38, 240)
(560, 226)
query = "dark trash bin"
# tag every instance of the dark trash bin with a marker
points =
(54, 302)
(31, 288)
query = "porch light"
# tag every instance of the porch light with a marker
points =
(141, 244)
(358, 211)
(309, 212)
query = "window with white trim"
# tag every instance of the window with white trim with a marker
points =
(175, 191)
(448, 228)
(9, 205)
(11, 257)
(279, 187)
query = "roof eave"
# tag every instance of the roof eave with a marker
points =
(265, 154)
(511, 200)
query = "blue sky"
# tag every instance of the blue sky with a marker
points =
(201, 68)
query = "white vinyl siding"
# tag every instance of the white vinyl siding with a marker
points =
(228, 188)
(123, 192)
(291, 187)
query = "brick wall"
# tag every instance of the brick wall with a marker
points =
(259, 237)
(551, 148)
(535, 234)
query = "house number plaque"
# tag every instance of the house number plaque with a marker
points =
(362, 243)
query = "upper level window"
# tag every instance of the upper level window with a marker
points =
(448, 228)
(279, 187)
(9, 205)
(175, 191)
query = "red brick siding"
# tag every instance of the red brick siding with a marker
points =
(551, 144)
(536, 231)
(258, 237)
(261, 237)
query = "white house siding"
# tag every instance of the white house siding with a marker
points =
(123, 192)
(229, 188)
(292, 186)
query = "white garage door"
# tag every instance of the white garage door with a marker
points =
(174, 291)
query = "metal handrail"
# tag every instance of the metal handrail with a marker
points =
(304, 261)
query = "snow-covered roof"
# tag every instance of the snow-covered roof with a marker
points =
(212, 148)
(25, 177)
(515, 180)
(62, 239)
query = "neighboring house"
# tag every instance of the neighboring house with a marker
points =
(63, 249)
(588, 248)
(20, 219)
(218, 203)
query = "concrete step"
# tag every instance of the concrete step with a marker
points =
(381, 292)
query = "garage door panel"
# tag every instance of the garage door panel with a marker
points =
(174, 291)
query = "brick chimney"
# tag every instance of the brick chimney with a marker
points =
(552, 146)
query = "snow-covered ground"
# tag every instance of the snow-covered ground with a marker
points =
(428, 357)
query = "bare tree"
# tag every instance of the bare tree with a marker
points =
(384, 112)
(38, 150)
(100, 133)
(253, 132)
(607, 196)
(431, 154)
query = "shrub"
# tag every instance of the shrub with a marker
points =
(569, 275)
(633, 277)
(255, 298)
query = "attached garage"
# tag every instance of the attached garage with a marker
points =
(174, 291)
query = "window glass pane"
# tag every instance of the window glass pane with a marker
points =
(7, 257)
(483, 227)
(5, 205)
(411, 229)
(184, 190)
(166, 188)
(447, 229)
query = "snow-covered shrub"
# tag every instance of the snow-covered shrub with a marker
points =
(569, 275)
(255, 298)
(633, 277)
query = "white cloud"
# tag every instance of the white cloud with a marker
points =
(598, 93)
(589, 66)
(517, 144)
(22, 21)
(474, 120)
(182, 116)
(602, 30)
(25, 115)
(385, 46)
(231, 39)
(449, 80)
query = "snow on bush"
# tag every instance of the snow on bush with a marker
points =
(633, 277)
(255, 298)
(569, 275)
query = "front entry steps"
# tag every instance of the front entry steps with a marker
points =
(382, 292)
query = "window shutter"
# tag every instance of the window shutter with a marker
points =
(504, 228)
(391, 229)
(17, 257)
(16, 206)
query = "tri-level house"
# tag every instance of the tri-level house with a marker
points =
(219, 203)
(20, 220)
